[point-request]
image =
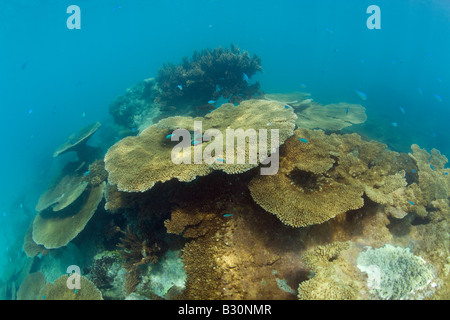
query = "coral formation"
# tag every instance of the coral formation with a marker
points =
(136, 106)
(62, 193)
(60, 291)
(137, 163)
(209, 75)
(56, 230)
(335, 278)
(394, 273)
(77, 142)
(31, 286)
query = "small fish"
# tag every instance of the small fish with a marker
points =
(180, 87)
(30, 110)
(402, 110)
(169, 136)
(439, 79)
(211, 101)
(303, 140)
(117, 7)
(394, 124)
(446, 173)
(414, 171)
(412, 203)
(196, 142)
(75, 290)
(363, 61)
(432, 167)
(287, 107)
(83, 114)
(227, 215)
(330, 31)
(4, 214)
(220, 159)
(245, 76)
(87, 173)
(438, 98)
(346, 111)
(40, 255)
(43, 297)
(361, 94)
(133, 130)
(302, 85)
(78, 83)
(124, 107)
(420, 91)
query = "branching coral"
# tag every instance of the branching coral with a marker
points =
(136, 106)
(394, 273)
(209, 74)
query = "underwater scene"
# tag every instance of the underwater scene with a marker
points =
(225, 150)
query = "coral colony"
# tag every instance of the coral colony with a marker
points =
(144, 220)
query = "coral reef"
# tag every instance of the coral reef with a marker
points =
(137, 163)
(209, 75)
(56, 230)
(394, 273)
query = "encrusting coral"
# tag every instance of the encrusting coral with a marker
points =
(54, 230)
(208, 75)
(136, 163)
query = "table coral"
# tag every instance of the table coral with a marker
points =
(135, 164)
(59, 290)
(56, 230)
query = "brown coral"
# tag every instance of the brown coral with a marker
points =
(56, 230)
(31, 286)
(136, 163)
(60, 291)
(335, 278)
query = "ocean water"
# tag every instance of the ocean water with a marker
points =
(54, 80)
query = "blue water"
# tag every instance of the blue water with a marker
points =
(53, 80)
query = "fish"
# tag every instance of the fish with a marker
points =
(180, 87)
(394, 124)
(133, 130)
(438, 98)
(446, 173)
(402, 110)
(87, 173)
(24, 65)
(246, 78)
(330, 31)
(30, 110)
(412, 203)
(75, 290)
(302, 85)
(117, 7)
(303, 140)
(40, 255)
(414, 171)
(169, 136)
(361, 94)
(227, 215)
(211, 101)
(220, 159)
(43, 297)
(196, 142)
(78, 83)
(439, 79)
(363, 61)
(420, 91)
(346, 111)
(432, 167)
(83, 114)
(287, 107)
